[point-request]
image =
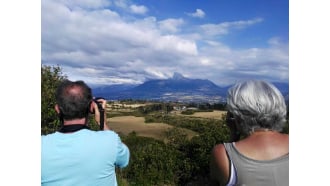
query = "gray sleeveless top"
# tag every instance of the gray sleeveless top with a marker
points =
(249, 172)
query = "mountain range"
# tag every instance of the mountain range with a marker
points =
(177, 88)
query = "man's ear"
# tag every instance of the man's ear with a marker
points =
(91, 107)
(57, 109)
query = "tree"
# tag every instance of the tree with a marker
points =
(51, 77)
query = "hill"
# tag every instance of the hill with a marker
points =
(178, 88)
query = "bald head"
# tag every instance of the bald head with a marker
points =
(73, 99)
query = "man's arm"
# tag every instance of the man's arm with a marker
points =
(123, 154)
(97, 113)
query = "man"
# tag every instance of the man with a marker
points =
(75, 155)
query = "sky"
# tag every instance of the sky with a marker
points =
(105, 42)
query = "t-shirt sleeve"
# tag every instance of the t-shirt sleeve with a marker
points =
(123, 154)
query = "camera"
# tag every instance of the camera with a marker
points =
(99, 105)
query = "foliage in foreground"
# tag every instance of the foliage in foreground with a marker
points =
(51, 77)
(179, 161)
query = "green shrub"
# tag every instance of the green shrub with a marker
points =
(51, 77)
(152, 162)
(188, 112)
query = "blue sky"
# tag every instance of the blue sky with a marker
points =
(107, 42)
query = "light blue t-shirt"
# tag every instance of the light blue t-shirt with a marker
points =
(82, 158)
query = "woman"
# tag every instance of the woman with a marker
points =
(259, 153)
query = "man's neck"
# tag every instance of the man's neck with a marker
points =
(70, 126)
(81, 121)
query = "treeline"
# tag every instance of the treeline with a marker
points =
(169, 106)
(208, 106)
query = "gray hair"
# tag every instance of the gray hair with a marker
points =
(257, 104)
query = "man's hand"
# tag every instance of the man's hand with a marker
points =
(103, 103)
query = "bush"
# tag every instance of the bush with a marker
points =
(152, 162)
(188, 112)
(51, 77)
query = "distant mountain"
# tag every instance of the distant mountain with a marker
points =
(178, 76)
(177, 88)
(111, 90)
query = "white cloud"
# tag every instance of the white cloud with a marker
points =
(121, 3)
(199, 13)
(170, 25)
(175, 44)
(100, 46)
(225, 27)
(138, 9)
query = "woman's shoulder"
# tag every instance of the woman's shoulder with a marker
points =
(264, 147)
(220, 164)
(220, 155)
(219, 150)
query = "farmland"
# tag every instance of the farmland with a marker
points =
(123, 120)
(128, 124)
